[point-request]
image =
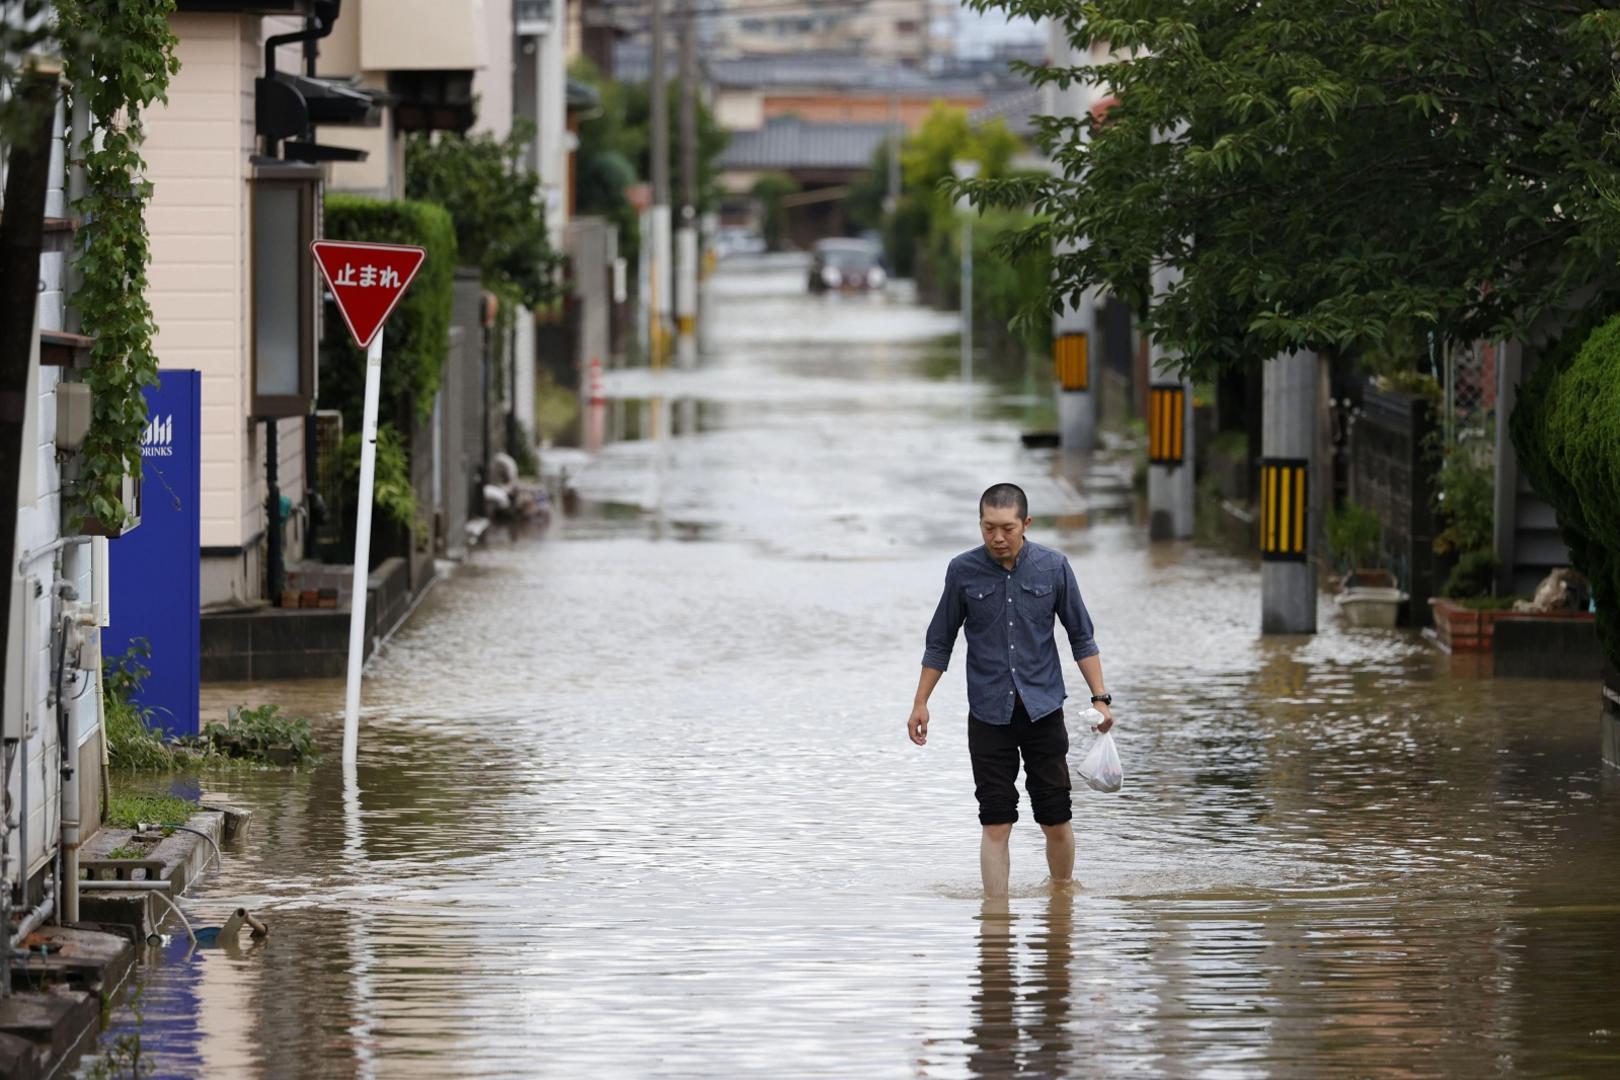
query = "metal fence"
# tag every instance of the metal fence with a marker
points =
(1468, 414)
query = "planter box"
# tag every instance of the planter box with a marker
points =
(1461, 629)
(1371, 606)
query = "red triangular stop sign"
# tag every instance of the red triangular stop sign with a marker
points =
(366, 280)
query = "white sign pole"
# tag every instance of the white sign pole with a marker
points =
(362, 553)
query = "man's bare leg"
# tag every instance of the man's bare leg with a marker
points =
(995, 863)
(1060, 851)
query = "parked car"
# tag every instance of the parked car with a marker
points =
(847, 265)
(738, 240)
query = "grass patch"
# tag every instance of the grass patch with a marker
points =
(126, 852)
(261, 734)
(125, 810)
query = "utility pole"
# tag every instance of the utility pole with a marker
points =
(1287, 520)
(1073, 328)
(1171, 492)
(891, 202)
(966, 169)
(658, 107)
(686, 285)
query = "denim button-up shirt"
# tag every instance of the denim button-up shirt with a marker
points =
(1008, 613)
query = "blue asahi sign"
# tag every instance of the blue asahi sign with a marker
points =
(157, 440)
(155, 569)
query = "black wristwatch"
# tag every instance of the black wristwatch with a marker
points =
(1106, 699)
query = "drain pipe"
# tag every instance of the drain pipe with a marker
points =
(35, 917)
(159, 889)
(83, 617)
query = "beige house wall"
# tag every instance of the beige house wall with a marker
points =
(413, 35)
(492, 84)
(198, 150)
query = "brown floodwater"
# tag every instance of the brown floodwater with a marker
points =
(635, 798)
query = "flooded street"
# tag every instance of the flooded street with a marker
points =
(636, 798)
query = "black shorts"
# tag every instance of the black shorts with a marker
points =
(994, 749)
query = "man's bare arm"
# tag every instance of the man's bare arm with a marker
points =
(917, 724)
(1091, 669)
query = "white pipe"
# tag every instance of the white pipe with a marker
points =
(54, 546)
(159, 889)
(71, 808)
(34, 919)
(362, 552)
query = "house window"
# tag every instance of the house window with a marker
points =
(284, 201)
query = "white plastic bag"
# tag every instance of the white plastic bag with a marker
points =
(1101, 769)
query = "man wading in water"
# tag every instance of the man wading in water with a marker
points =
(1007, 593)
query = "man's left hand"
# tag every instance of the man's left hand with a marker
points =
(1107, 715)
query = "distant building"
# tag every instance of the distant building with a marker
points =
(888, 31)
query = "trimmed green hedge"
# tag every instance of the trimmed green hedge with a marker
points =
(1566, 429)
(417, 338)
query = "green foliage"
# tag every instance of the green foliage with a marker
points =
(126, 810)
(1466, 494)
(1474, 576)
(393, 492)
(1413, 383)
(125, 851)
(1322, 173)
(770, 192)
(556, 408)
(606, 160)
(615, 152)
(417, 338)
(1002, 288)
(133, 740)
(495, 202)
(926, 219)
(261, 734)
(120, 60)
(1567, 432)
(1355, 536)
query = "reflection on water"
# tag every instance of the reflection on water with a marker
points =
(635, 807)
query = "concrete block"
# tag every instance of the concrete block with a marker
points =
(20, 1059)
(56, 1021)
(1553, 648)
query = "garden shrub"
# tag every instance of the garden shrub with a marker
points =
(1566, 429)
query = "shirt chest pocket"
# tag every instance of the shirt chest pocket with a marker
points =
(1037, 598)
(983, 603)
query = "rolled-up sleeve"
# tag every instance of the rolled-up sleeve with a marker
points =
(1076, 620)
(946, 623)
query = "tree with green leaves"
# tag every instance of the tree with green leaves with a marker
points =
(1332, 175)
(1324, 172)
(615, 151)
(494, 200)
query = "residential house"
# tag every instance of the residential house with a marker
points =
(51, 725)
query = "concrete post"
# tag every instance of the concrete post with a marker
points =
(1171, 491)
(1074, 332)
(658, 121)
(1287, 523)
(686, 236)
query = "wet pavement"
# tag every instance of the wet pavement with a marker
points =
(636, 798)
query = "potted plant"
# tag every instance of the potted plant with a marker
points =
(1369, 596)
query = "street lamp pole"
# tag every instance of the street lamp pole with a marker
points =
(966, 169)
(658, 107)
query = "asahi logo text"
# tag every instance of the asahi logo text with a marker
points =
(158, 438)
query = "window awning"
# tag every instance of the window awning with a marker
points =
(337, 101)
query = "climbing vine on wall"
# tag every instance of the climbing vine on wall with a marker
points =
(119, 60)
